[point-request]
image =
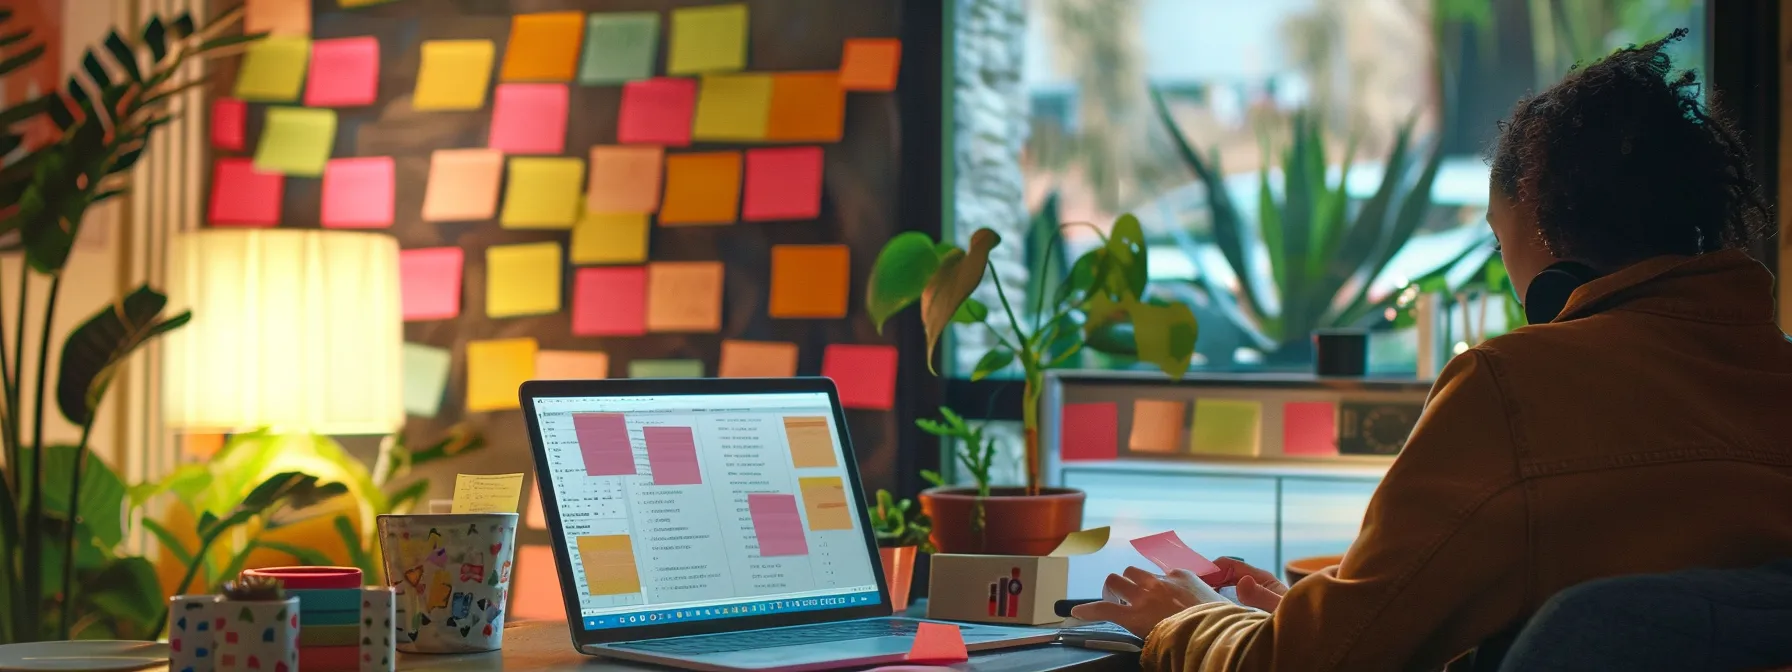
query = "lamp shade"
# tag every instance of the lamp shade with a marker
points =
(297, 329)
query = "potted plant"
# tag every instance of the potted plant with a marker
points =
(1100, 305)
(900, 535)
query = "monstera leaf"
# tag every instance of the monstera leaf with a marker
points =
(91, 357)
(959, 273)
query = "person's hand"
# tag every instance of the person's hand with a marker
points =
(1138, 600)
(1256, 587)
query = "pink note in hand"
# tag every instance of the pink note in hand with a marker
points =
(937, 643)
(1089, 431)
(657, 112)
(529, 118)
(1167, 551)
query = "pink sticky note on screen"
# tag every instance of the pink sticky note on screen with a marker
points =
(429, 282)
(777, 525)
(230, 123)
(1310, 428)
(864, 374)
(610, 301)
(1089, 431)
(243, 196)
(1167, 551)
(657, 112)
(529, 119)
(937, 643)
(782, 183)
(343, 72)
(358, 193)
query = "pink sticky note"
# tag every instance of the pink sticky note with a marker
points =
(610, 301)
(230, 123)
(603, 443)
(776, 525)
(343, 72)
(783, 183)
(358, 193)
(864, 374)
(1089, 431)
(1167, 551)
(243, 196)
(429, 282)
(937, 643)
(1310, 428)
(529, 119)
(672, 455)
(657, 112)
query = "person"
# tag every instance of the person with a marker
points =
(1643, 428)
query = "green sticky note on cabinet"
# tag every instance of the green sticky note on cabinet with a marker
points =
(273, 69)
(296, 141)
(665, 368)
(1226, 427)
(619, 47)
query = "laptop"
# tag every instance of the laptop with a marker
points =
(717, 524)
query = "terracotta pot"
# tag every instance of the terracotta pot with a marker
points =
(899, 573)
(1300, 568)
(1014, 523)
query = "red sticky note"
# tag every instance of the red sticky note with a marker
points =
(870, 64)
(1089, 431)
(358, 193)
(657, 112)
(1167, 551)
(783, 183)
(610, 301)
(343, 72)
(243, 196)
(1310, 428)
(864, 374)
(429, 282)
(529, 119)
(937, 643)
(230, 123)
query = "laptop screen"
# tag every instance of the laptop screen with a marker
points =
(683, 508)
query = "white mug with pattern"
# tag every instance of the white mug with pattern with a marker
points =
(450, 574)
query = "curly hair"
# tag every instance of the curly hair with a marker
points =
(1620, 162)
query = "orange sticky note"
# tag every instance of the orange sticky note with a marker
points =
(870, 64)
(543, 47)
(495, 369)
(624, 179)
(1157, 426)
(684, 296)
(463, 185)
(937, 643)
(806, 107)
(280, 17)
(782, 184)
(571, 365)
(701, 188)
(358, 193)
(810, 281)
(757, 359)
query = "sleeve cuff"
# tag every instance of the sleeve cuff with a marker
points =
(1182, 642)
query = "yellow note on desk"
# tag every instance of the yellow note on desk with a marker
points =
(486, 493)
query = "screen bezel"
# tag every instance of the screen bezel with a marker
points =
(539, 389)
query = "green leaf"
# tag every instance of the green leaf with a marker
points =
(155, 34)
(91, 63)
(933, 477)
(1228, 222)
(1080, 281)
(21, 59)
(1045, 254)
(15, 38)
(408, 496)
(1165, 335)
(95, 350)
(900, 275)
(25, 110)
(995, 360)
(182, 26)
(357, 552)
(169, 541)
(208, 522)
(102, 493)
(958, 275)
(59, 111)
(127, 589)
(1113, 338)
(123, 56)
(1128, 270)
(971, 311)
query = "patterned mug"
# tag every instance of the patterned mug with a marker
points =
(260, 635)
(450, 574)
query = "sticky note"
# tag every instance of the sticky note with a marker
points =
(534, 518)
(1081, 543)
(357, 193)
(810, 281)
(732, 107)
(782, 184)
(296, 141)
(619, 47)
(463, 185)
(864, 374)
(624, 179)
(1157, 426)
(230, 124)
(244, 196)
(657, 112)
(701, 188)
(351, 4)
(1225, 427)
(522, 279)
(870, 64)
(708, 39)
(610, 239)
(1089, 431)
(495, 369)
(425, 378)
(609, 301)
(1168, 552)
(665, 368)
(757, 359)
(1310, 428)
(543, 47)
(543, 193)
(571, 365)
(343, 73)
(273, 69)
(937, 643)
(453, 75)
(529, 119)
(279, 17)
(429, 282)
(486, 493)
(806, 107)
(684, 296)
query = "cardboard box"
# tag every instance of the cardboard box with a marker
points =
(1013, 589)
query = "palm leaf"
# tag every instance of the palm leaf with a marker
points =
(95, 349)
(1228, 224)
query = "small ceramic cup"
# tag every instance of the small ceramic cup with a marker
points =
(450, 574)
(193, 624)
(259, 635)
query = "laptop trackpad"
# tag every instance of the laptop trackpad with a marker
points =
(783, 656)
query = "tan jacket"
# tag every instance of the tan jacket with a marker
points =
(1647, 429)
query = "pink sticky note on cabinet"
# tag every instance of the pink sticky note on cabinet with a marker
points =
(230, 123)
(1089, 431)
(358, 193)
(429, 282)
(243, 196)
(610, 301)
(1167, 551)
(864, 374)
(782, 183)
(937, 643)
(1310, 428)
(343, 72)
(529, 119)
(657, 112)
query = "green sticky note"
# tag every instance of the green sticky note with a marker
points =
(425, 378)
(296, 141)
(619, 47)
(665, 368)
(543, 193)
(708, 39)
(1226, 427)
(273, 69)
(733, 107)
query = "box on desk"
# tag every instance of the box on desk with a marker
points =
(1017, 589)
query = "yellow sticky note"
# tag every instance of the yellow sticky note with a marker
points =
(273, 69)
(279, 17)
(486, 493)
(463, 185)
(296, 141)
(702, 188)
(522, 280)
(571, 365)
(454, 75)
(1226, 427)
(708, 39)
(757, 359)
(1157, 426)
(810, 281)
(1082, 543)
(624, 178)
(610, 239)
(684, 296)
(495, 369)
(543, 193)
(543, 47)
(733, 107)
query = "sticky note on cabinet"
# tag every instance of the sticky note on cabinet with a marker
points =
(463, 185)
(425, 378)
(230, 124)
(1226, 427)
(543, 47)
(701, 188)
(619, 47)
(757, 359)
(864, 375)
(1157, 426)
(1310, 428)
(684, 296)
(665, 368)
(296, 141)
(571, 365)
(454, 75)
(732, 107)
(543, 193)
(273, 69)
(244, 196)
(609, 301)
(529, 119)
(1089, 431)
(806, 107)
(610, 239)
(870, 64)
(657, 112)
(522, 279)
(487, 493)
(343, 73)
(495, 369)
(782, 184)
(624, 178)
(708, 39)
(810, 281)
(277, 17)
(357, 193)
(429, 282)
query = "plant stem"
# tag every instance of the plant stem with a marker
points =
(205, 546)
(33, 595)
(1030, 365)
(74, 512)
(14, 411)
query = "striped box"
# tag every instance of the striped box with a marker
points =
(329, 635)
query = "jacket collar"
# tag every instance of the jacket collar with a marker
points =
(1724, 286)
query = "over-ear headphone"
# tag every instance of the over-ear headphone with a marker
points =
(1549, 291)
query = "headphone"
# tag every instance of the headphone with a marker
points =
(1549, 291)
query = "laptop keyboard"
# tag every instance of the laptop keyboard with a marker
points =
(725, 642)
